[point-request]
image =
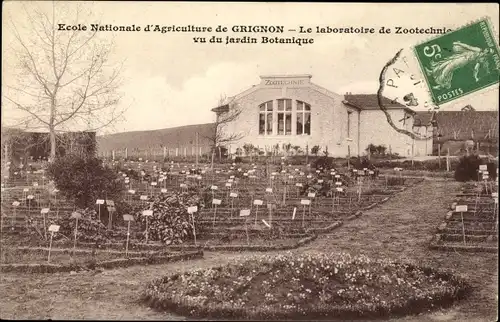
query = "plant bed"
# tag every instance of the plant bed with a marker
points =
(261, 245)
(234, 240)
(460, 247)
(471, 232)
(320, 286)
(35, 261)
(468, 238)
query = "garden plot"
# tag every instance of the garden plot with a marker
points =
(330, 198)
(472, 224)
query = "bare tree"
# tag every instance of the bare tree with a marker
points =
(227, 111)
(64, 78)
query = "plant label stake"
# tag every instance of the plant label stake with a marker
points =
(462, 209)
(144, 198)
(99, 202)
(495, 210)
(15, 204)
(191, 210)
(257, 203)
(298, 185)
(131, 192)
(53, 229)
(128, 219)
(245, 213)
(153, 185)
(270, 207)
(232, 195)
(304, 202)
(215, 202)
(294, 212)
(44, 212)
(76, 215)
(147, 214)
(311, 195)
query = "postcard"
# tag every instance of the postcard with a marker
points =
(249, 161)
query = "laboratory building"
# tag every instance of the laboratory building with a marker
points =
(285, 109)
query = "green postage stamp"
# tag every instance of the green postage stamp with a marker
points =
(460, 62)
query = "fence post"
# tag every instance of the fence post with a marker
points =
(439, 155)
(448, 161)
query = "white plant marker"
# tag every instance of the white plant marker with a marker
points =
(305, 202)
(232, 195)
(76, 215)
(245, 213)
(257, 203)
(128, 219)
(215, 202)
(298, 185)
(147, 213)
(44, 212)
(294, 212)
(53, 229)
(99, 202)
(191, 210)
(461, 209)
(15, 204)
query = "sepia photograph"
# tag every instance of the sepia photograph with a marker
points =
(262, 161)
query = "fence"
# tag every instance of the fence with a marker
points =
(156, 154)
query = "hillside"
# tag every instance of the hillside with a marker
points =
(172, 137)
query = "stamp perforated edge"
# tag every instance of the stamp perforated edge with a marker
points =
(413, 50)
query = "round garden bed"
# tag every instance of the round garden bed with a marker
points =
(304, 287)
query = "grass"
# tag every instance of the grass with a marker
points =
(398, 229)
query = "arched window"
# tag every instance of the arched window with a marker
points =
(303, 118)
(266, 118)
(284, 117)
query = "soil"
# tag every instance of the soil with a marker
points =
(399, 229)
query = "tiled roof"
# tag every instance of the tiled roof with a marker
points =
(462, 123)
(370, 102)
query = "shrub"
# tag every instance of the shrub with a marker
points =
(170, 222)
(361, 163)
(90, 229)
(323, 162)
(85, 179)
(315, 150)
(467, 168)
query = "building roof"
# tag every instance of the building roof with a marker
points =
(370, 102)
(462, 124)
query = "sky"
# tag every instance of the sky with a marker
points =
(168, 80)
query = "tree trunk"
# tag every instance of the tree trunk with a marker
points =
(212, 162)
(52, 137)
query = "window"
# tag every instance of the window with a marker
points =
(284, 117)
(349, 124)
(303, 118)
(266, 118)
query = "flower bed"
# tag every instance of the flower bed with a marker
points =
(308, 286)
